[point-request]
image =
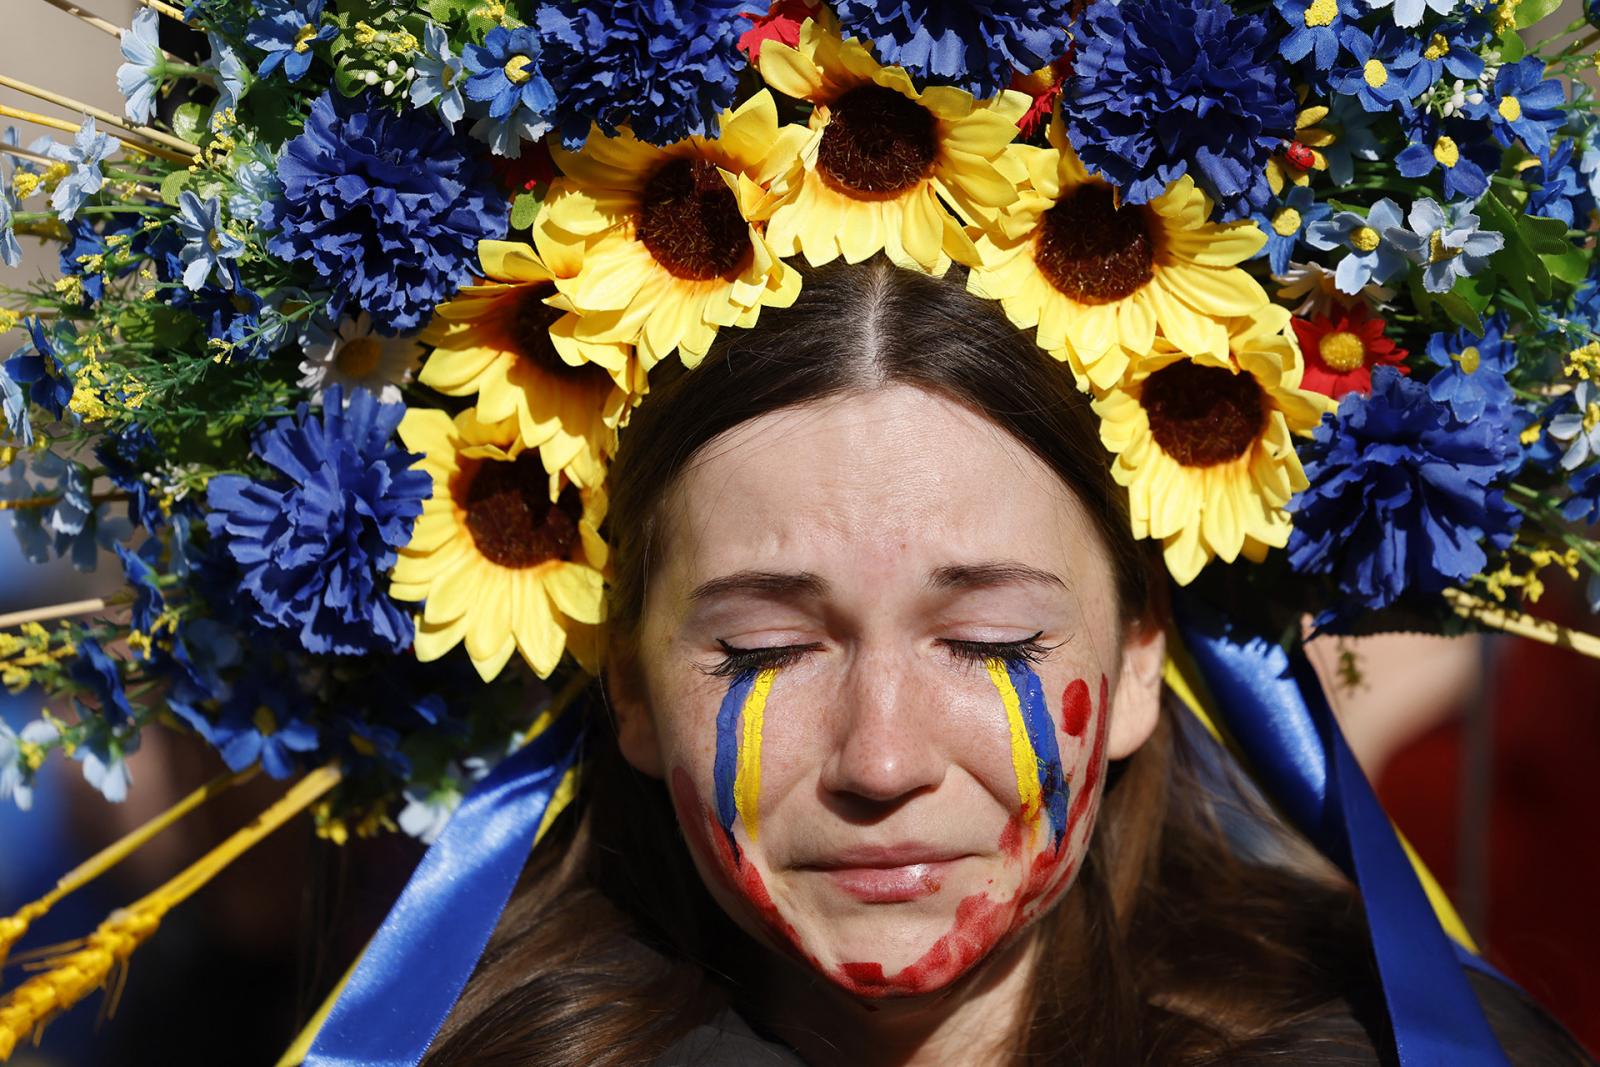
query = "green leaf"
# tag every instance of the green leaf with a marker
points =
(1517, 262)
(1545, 235)
(175, 183)
(1531, 11)
(1571, 266)
(1511, 47)
(1460, 312)
(523, 210)
(189, 122)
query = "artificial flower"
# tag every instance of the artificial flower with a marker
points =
(18, 752)
(1350, 137)
(880, 155)
(1445, 241)
(139, 78)
(781, 23)
(512, 342)
(661, 247)
(1522, 103)
(230, 71)
(10, 250)
(261, 723)
(356, 357)
(500, 565)
(38, 365)
(1314, 28)
(88, 150)
(1431, 145)
(1408, 13)
(286, 30)
(1579, 428)
(1099, 280)
(1372, 259)
(1303, 155)
(1453, 48)
(104, 752)
(1164, 88)
(1472, 374)
(439, 76)
(255, 185)
(1384, 70)
(100, 674)
(1558, 192)
(208, 247)
(505, 73)
(1342, 347)
(1285, 222)
(312, 541)
(665, 70)
(975, 46)
(1205, 445)
(389, 208)
(1403, 497)
(14, 408)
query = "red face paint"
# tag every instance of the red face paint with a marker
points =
(1075, 708)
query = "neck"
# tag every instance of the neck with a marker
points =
(974, 1022)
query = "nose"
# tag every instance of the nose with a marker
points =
(886, 741)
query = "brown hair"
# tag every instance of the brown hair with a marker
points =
(1211, 933)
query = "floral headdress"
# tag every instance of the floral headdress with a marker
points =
(353, 313)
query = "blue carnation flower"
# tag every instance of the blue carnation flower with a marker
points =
(1403, 496)
(975, 46)
(1373, 260)
(1314, 28)
(1474, 367)
(1164, 89)
(664, 67)
(314, 543)
(389, 208)
(1385, 69)
(1522, 103)
(285, 30)
(1285, 224)
(1449, 148)
(503, 73)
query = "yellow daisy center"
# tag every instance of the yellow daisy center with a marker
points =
(1286, 222)
(1202, 416)
(877, 142)
(1342, 351)
(509, 513)
(264, 721)
(1510, 108)
(1364, 238)
(1374, 73)
(1438, 252)
(1467, 359)
(1445, 151)
(1591, 417)
(303, 38)
(1321, 12)
(1091, 251)
(516, 69)
(358, 358)
(1437, 48)
(691, 223)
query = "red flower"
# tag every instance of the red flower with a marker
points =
(1342, 347)
(782, 24)
(534, 168)
(1044, 85)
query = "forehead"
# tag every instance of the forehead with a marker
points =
(892, 479)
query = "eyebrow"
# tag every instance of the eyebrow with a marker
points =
(962, 576)
(777, 585)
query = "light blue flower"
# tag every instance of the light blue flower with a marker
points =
(1284, 223)
(438, 76)
(1446, 242)
(1373, 259)
(1409, 12)
(88, 150)
(1473, 367)
(426, 811)
(139, 79)
(16, 777)
(10, 251)
(256, 183)
(14, 406)
(104, 755)
(232, 75)
(209, 246)
(1351, 125)
(1579, 429)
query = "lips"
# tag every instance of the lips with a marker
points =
(888, 874)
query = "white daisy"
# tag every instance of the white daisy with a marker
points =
(357, 358)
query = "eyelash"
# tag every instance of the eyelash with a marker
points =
(1023, 650)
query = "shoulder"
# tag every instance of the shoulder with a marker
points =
(726, 1040)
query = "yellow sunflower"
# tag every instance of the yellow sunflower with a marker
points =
(499, 563)
(512, 342)
(881, 154)
(1098, 278)
(1205, 447)
(667, 243)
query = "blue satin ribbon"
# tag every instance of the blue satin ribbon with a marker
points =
(1275, 711)
(420, 959)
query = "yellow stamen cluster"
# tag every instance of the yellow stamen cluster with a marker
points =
(399, 42)
(70, 288)
(494, 11)
(8, 320)
(25, 183)
(29, 648)
(330, 827)
(1530, 586)
(1584, 362)
(1505, 16)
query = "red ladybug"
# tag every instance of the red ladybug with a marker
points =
(1300, 155)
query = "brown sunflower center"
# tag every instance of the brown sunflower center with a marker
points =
(877, 142)
(691, 223)
(1093, 251)
(511, 518)
(1202, 416)
(529, 326)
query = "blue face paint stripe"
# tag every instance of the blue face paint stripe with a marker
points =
(1041, 729)
(726, 769)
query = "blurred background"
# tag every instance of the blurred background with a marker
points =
(1483, 751)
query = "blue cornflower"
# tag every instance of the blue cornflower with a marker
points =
(1578, 426)
(255, 183)
(1453, 47)
(438, 76)
(1557, 187)
(1582, 507)
(138, 568)
(261, 723)
(1386, 69)
(667, 70)
(313, 543)
(14, 407)
(139, 79)
(1409, 12)
(87, 151)
(286, 30)
(1445, 241)
(389, 208)
(976, 46)
(126, 455)
(504, 73)
(1163, 89)
(38, 366)
(96, 671)
(104, 752)
(1430, 146)
(1521, 103)
(1314, 28)
(1285, 223)
(1403, 497)
(231, 72)
(208, 247)
(1373, 260)
(10, 250)
(1473, 375)
(1353, 139)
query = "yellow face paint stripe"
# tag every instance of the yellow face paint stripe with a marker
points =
(747, 779)
(1023, 760)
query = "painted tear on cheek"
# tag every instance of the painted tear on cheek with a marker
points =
(1035, 755)
(736, 774)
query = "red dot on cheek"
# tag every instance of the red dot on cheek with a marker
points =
(1075, 708)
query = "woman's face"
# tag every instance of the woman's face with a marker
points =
(880, 668)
